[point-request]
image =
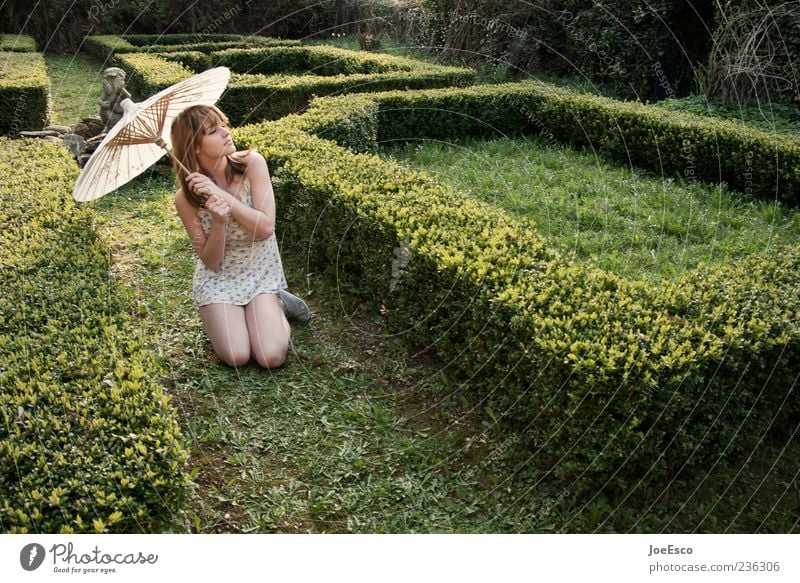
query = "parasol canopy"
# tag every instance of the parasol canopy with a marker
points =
(140, 138)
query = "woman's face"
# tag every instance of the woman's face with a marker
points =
(216, 141)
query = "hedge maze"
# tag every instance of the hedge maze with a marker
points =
(272, 78)
(24, 86)
(619, 382)
(89, 441)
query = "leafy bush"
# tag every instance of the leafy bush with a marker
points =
(146, 41)
(627, 44)
(63, 25)
(106, 47)
(764, 164)
(754, 44)
(316, 60)
(194, 60)
(250, 98)
(767, 117)
(147, 74)
(24, 92)
(88, 440)
(351, 122)
(17, 43)
(617, 381)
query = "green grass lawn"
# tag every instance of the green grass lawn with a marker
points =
(355, 434)
(618, 218)
(768, 117)
(75, 87)
(351, 435)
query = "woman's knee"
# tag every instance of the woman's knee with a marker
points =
(234, 358)
(227, 329)
(271, 357)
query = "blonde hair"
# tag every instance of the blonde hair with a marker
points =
(187, 130)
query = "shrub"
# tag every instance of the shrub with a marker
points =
(106, 47)
(148, 40)
(147, 74)
(668, 143)
(617, 382)
(88, 440)
(63, 25)
(633, 45)
(24, 92)
(772, 117)
(19, 43)
(351, 122)
(316, 60)
(194, 60)
(251, 98)
(752, 49)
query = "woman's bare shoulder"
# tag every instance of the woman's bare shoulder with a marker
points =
(181, 201)
(254, 162)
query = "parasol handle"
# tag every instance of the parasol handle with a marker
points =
(159, 141)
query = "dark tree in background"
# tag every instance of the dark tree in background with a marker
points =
(60, 25)
(754, 53)
(619, 42)
(644, 49)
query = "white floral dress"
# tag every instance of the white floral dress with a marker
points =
(250, 266)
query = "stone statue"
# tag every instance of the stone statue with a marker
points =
(113, 93)
(83, 138)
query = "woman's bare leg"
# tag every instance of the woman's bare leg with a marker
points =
(269, 330)
(226, 326)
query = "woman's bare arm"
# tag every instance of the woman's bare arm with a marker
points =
(259, 220)
(211, 249)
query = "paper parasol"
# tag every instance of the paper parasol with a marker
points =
(140, 138)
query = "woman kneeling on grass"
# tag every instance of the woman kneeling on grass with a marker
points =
(228, 209)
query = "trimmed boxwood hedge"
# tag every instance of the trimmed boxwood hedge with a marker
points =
(617, 382)
(106, 47)
(24, 92)
(314, 60)
(147, 74)
(351, 121)
(193, 60)
(251, 98)
(89, 442)
(680, 144)
(17, 43)
(148, 40)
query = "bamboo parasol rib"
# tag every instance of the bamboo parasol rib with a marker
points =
(141, 137)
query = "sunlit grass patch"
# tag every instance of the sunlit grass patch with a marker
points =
(75, 87)
(769, 117)
(621, 219)
(356, 435)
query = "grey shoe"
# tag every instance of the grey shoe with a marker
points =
(294, 307)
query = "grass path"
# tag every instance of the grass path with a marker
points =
(353, 435)
(75, 87)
